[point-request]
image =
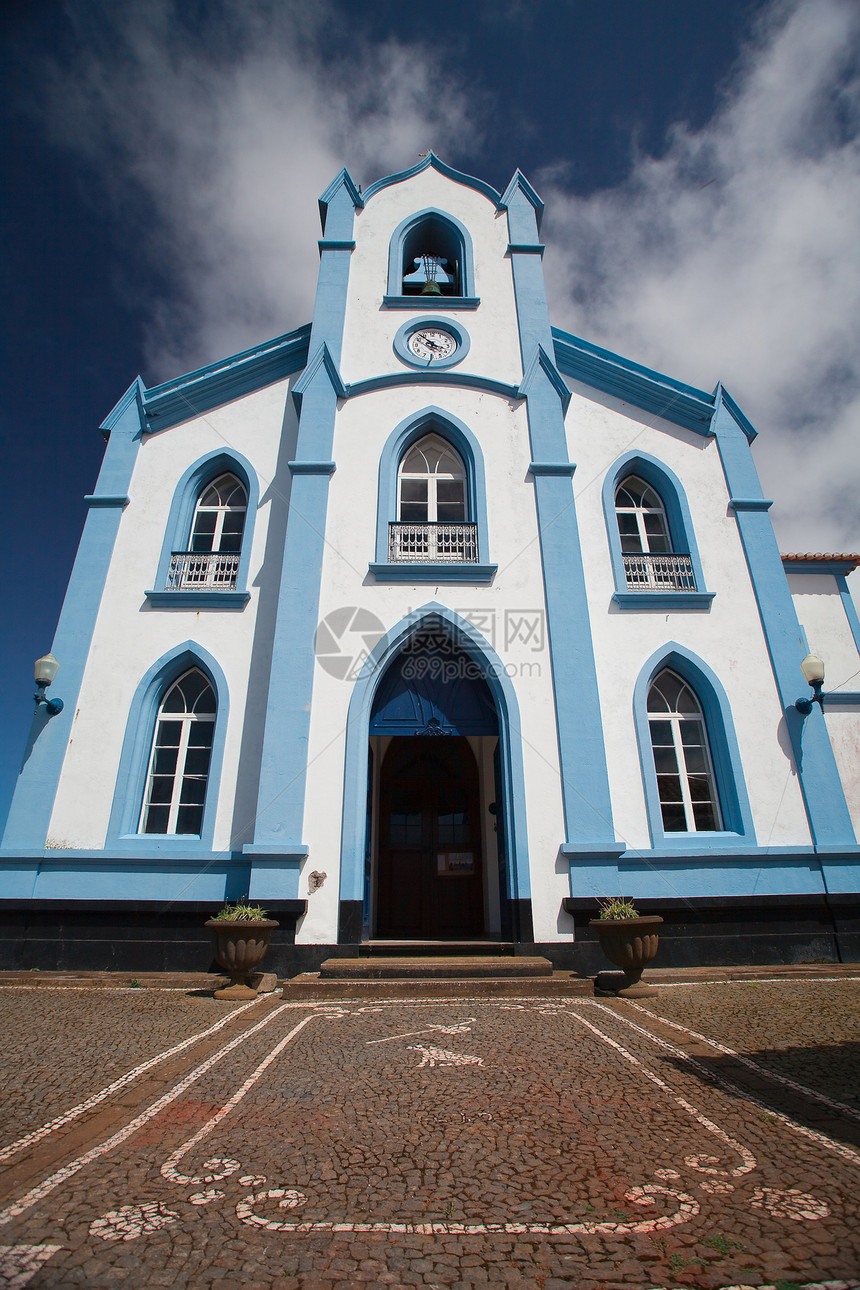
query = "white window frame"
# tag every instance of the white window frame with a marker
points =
(432, 477)
(640, 512)
(674, 718)
(187, 719)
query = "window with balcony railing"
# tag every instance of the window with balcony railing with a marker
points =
(650, 564)
(432, 524)
(212, 563)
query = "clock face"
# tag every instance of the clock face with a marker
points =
(432, 342)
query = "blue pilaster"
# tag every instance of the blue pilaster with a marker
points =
(582, 756)
(823, 795)
(277, 849)
(33, 802)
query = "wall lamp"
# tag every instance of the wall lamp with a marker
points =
(45, 671)
(813, 671)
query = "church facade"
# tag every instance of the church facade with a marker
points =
(431, 623)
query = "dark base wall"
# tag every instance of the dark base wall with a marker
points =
(147, 937)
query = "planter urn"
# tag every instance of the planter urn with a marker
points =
(631, 944)
(238, 947)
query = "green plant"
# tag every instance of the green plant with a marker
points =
(240, 912)
(723, 1244)
(617, 907)
(135, 984)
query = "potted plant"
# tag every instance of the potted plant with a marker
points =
(629, 940)
(240, 937)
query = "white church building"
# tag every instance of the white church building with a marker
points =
(430, 624)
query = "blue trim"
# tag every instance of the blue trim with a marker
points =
(682, 534)
(435, 573)
(540, 359)
(177, 533)
(602, 369)
(552, 468)
(187, 396)
(671, 600)
(431, 420)
(36, 789)
(581, 749)
(722, 395)
(395, 254)
(434, 302)
(526, 248)
(520, 185)
(725, 754)
(761, 871)
(405, 332)
(750, 504)
(833, 565)
(438, 618)
(107, 499)
(462, 380)
(311, 467)
(197, 599)
(432, 161)
(93, 877)
(849, 607)
(343, 190)
(137, 746)
(327, 244)
(283, 764)
(823, 794)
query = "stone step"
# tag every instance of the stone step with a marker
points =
(436, 949)
(438, 967)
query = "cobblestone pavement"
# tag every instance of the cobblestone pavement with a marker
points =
(708, 1137)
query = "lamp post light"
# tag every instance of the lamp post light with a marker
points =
(45, 671)
(813, 671)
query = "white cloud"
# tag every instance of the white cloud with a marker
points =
(734, 257)
(218, 155)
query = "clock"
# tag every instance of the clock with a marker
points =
(430, 343)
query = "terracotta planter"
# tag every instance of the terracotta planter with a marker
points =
(238, 947)
(631, 944)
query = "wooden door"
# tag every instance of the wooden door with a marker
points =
(430, 880)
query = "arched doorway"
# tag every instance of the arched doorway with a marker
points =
(430, 870)
(433, 863)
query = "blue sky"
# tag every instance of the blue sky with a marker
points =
(699, 162)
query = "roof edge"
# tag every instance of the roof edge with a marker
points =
(433, 162)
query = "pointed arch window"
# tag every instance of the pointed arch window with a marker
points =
(178, 771)
(212, 561)
(430, 255)
(641, 518)
(682, 758)
(432, 516)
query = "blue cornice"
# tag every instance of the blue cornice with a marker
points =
(311, 467)
(433, 162)
(540, 360)
(664, 600)
(174, 401)
(652, 391)
(721, 394)
(750, 503)
(119, 500)
(322, 361)
(191, 599)
(425, 571)
(447, 377)
(526, 248)
(343, 179)
(434, 302)
(135, 394)
(552, 468)
(519, 182)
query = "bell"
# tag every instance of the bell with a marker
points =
(431, 288)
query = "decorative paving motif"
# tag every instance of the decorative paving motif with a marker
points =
(441, 1057)
(20, 1263)
(132, 1221)
(792, 1203)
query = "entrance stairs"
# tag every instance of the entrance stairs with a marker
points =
(387, 969)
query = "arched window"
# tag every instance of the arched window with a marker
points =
(431, 506)
(212, 559)
(219, 518)
(682, 759)
(641, 518)
(432, 484)
(655, 560)
(179, 761)
(430, 256)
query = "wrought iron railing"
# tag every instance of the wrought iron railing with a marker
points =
(659, 573)
(202, 571)
(445, 543)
